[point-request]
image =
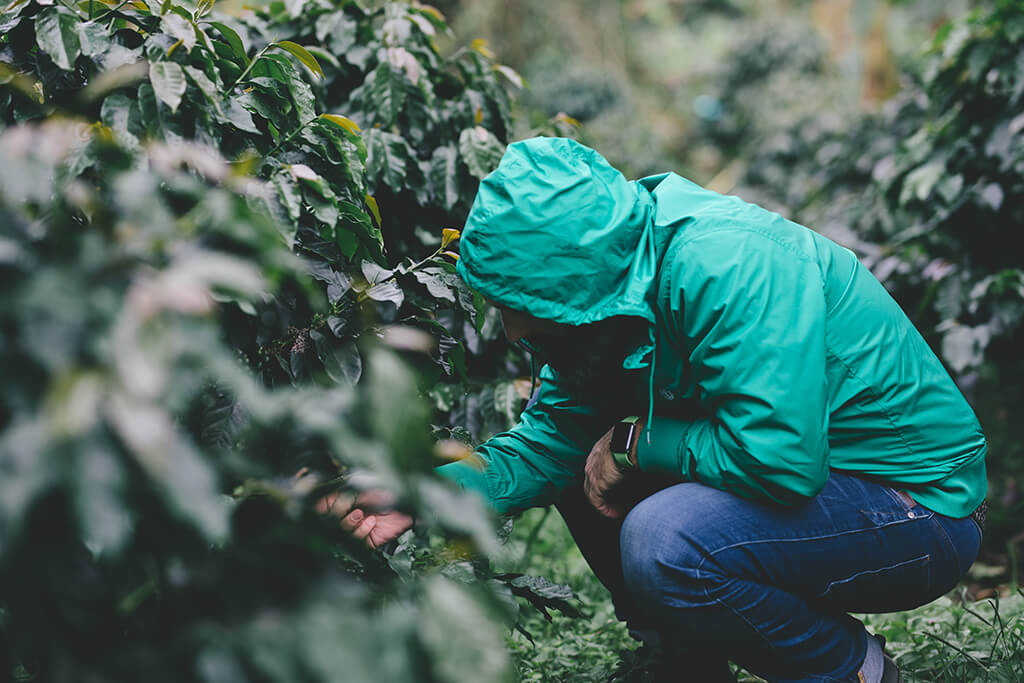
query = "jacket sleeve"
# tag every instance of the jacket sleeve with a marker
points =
(750, 314)
(528, 465)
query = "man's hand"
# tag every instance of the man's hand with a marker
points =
(369, 516)
(602, 475)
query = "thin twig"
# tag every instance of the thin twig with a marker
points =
(112, 10)
(248, 69)
(534, 532)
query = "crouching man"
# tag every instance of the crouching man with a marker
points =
(745, 434)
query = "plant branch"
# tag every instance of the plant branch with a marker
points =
(248, 69)
(112, 10)
(532, 538)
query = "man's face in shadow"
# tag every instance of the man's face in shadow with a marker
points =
(586, 358)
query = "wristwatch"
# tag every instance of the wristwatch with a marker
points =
(624, 436)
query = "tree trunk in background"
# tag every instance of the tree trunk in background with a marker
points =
(880, 77)
(834, 19)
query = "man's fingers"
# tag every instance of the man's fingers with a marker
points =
(366, 527)
(352, 520)
(368, 516)
(595, 496)
(339, 504)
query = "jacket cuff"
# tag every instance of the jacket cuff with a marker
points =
(660, 447)
(468, 474)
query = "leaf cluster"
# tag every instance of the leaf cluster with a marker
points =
(203, 251)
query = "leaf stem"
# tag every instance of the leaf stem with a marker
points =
(363, 295)
(288, 138)
(532, 538)
(112, 10)
(248, 69)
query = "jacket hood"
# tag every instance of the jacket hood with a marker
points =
(558, 233)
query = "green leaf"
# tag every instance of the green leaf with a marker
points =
(57, 34)
(119, 113)
(920, 182)
(511, 75)
(440, 284)
(387, 291)
(294, 7)
(238, 116)
(456, 632)
(93, 37)
(283, 73)
(341, 359)
(388, 159)
(355, 220)
(289, 194)
(180, 28)
(308, 60)
(342, 121)
(323, 55)
(168, 81)
(443, 176)
(106, 523)
(480, 150)
(347, 242)
(231, 37)
(185, 479)
(206, 86)
(336, 30)
(387, 94)
(963, 346)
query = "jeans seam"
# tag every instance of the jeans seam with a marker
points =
(741, 617)
(811, 538)
(949, 544)
(926, 557)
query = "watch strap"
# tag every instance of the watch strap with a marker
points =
(621, 457)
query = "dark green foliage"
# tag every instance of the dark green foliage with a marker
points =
(206, 224)
(126, 418)
(930, 193)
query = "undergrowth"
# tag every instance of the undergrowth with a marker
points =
(950, 640)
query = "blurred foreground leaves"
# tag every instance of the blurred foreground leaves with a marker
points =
(222, 262)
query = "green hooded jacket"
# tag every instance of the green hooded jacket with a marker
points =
(773, 355)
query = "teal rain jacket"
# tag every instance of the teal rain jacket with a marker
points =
(773, 355)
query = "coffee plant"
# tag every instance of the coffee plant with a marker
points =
(226, 285)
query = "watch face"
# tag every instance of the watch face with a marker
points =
(622, 437)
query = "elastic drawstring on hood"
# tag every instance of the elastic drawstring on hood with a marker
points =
(558, 233)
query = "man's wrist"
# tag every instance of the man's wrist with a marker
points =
(625, 436)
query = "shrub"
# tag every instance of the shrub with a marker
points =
(222, 263)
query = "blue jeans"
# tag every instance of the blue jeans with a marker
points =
(766, 586)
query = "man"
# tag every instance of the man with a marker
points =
(808, 454)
